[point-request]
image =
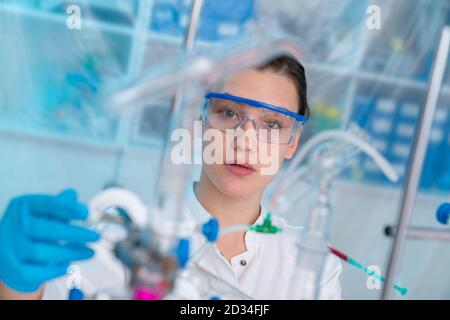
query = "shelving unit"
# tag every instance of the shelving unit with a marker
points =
(141, 35)
(137, 50)
(372, 76)
(390, 88)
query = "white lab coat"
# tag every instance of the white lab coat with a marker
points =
(264, 271)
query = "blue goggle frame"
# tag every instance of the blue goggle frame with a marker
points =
(258, 104)
(300, 119)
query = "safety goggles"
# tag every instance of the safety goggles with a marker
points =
(272, 124)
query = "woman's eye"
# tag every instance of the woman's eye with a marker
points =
(273, 125)
(228, 113)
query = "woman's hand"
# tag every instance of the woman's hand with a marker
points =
(38, 241)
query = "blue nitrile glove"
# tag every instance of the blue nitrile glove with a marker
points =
(38, 240)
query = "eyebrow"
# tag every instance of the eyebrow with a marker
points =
(242, 103)
(237, 102)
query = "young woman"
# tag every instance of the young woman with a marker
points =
(271, 98)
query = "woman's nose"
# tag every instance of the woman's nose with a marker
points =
(246, 136)
(247, 124)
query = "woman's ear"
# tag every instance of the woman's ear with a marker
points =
(293, 146)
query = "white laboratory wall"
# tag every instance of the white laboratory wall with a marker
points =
(38, 163)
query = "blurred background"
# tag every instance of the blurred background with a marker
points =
(53, 136)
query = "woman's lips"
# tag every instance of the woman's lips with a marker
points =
(240, 169)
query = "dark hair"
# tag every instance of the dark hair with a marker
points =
(292, 68)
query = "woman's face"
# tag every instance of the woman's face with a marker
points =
(230, 178)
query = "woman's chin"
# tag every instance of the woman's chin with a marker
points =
(234, 185)
(237, 188)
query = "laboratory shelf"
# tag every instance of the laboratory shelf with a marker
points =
(354, 73)
(93, 24)
(62, 19)
(57, 138)
(48, 135)
(48, 18)
(373, 77)
(351, 82)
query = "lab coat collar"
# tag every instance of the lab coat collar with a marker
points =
(252, 239)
